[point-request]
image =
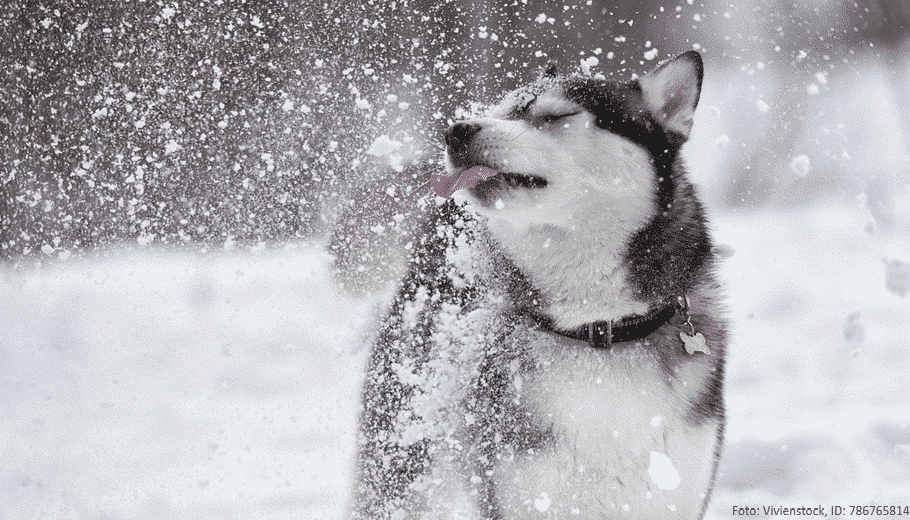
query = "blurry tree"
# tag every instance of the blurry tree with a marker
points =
(150, 121)
(223, 121)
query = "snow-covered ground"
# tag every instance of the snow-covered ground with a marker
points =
(178, 385)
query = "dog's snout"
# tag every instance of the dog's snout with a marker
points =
(459, 135)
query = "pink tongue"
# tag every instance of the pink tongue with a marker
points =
(446, 185)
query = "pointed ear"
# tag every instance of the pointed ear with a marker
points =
(671, 91)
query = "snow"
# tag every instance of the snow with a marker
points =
(180, 385)
(383, 146)
(800, 165)
(168, 383)
(542, 503)
(173, 385)
(390, 149)
(587, 63)
(812, 414)
(662, 472)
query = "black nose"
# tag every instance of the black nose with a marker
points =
(459, 135)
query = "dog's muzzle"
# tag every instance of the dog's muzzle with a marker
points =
(467, 173)
(458, 140)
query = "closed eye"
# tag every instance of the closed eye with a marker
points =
(553, 118)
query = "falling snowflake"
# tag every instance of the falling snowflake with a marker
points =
(800, 165)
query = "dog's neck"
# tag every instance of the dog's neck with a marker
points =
(580, 279)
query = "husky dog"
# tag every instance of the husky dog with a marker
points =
(556, 349)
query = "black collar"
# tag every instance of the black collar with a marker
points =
(602, 334)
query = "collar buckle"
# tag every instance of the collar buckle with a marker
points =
(608, 333)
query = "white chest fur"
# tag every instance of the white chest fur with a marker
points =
(621, 446)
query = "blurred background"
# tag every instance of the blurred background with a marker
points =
(248, 121)
(174, 341)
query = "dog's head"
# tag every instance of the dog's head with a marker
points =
(568, 148)
(570, 171)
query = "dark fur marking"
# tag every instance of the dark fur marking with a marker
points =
(501, 422)
(657, 273)
(710, 404)
(671, 357)
(384, 481)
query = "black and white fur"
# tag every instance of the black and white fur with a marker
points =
(472, 409)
